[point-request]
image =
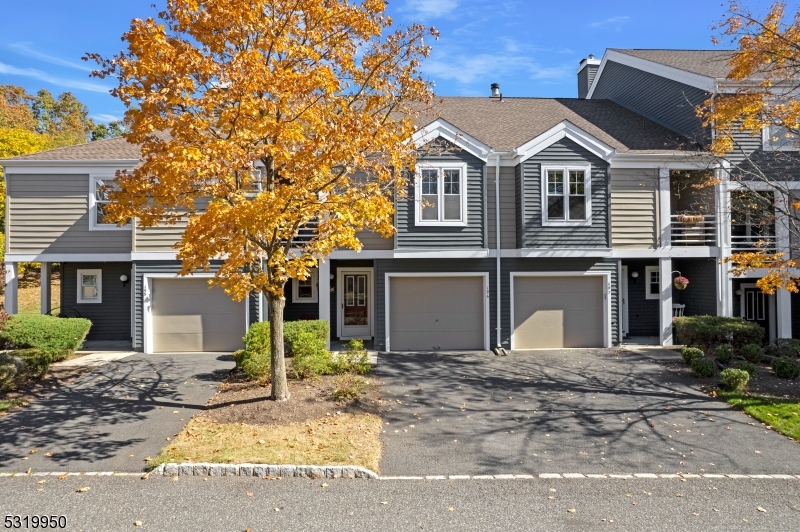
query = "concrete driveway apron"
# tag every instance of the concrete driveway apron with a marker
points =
(564, 411)
(112, 417)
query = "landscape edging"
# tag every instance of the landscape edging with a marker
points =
(263, 470)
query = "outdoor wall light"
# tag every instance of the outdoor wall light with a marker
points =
(739, 292)
(124, 279)
(332, 277)
(634, 274)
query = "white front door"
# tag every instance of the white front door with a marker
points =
(355, 303)
(624, 297)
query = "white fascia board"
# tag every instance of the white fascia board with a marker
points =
(341, 254)
(75, 167)
(442, 128)
(587, 62)
(676, 252)
(705, 83)
(673, 160)
(68, 257)
(154, 255)
(558, 132)
(554, 253)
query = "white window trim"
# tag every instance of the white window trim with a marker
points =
(587, 189)
(766, 142)
(647, 271)
(99, 274)
(314, 291)
(93, 225)
(462, 168)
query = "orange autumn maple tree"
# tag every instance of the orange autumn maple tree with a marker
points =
(260, 120)
(766, 64)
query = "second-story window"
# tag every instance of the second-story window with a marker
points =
(566, 199)
(441, 194)
(98, 199)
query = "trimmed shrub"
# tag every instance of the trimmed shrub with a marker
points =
(785, 368)
(690, 353)
(36, 362)
(749, 367)
(752, 353)
(784, 347)
(349, 387)
(711, 331)
(724, 353)
(311, 356)
(58, 336)
(734, 379)
(255, 359)
(703, 367)
(11, 370)
(292, 329)
(257, 363)
(353, 359)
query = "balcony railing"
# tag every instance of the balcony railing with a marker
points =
(694, 229)
(768, 243)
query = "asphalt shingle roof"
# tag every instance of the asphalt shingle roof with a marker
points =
(109, 149)
(711, 63)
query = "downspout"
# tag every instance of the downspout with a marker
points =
(500, 349)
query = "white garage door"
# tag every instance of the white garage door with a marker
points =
(552, 312)
(187, 316)
(436, 313)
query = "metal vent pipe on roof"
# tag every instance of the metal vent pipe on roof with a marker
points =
(495, 90)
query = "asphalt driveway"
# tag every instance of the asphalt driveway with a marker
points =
(572, 411)
(112, 417)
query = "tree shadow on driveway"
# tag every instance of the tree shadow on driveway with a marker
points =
(563, 411)
(112, 417)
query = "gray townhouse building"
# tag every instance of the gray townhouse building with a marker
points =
(535, 223)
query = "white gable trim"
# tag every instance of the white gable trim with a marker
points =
(705, 83)
(442, 128)
(570, 131)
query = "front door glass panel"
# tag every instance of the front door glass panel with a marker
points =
(356, 309)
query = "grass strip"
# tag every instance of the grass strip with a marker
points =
(783, 415)
(344, 439)
(8, 404)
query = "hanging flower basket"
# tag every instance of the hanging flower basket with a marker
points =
(680, 282)
(691, 218)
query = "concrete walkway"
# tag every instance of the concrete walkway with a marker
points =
(564, 411)
(112, 417)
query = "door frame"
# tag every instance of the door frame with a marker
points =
(772, 309)
(340, 273)
(147, 304)
(624, 303)
(607, 336)
(388, 290)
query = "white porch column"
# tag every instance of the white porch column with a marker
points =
(783, 302)
(44, 282)
(665, 279)
(324, 294)
(12, 288)
(724, 290)
(664, 208)
(724, 280)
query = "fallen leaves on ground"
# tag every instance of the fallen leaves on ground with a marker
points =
(83, 490)
(137, 523)
(760, 509)
(571, 510)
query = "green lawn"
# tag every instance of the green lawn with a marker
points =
(783, 415)
(8, 404)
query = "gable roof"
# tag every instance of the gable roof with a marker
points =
(116, 149)
(508, 124)
(710, 63)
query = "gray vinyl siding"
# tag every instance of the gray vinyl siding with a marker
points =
(50, 214)
(372, 240)
(298, 311)
(585, 78)
(161, 237)
(534, 235)
(700, 297)
(745, 145)
(507, 266)
(478, 266)
(469, 237)
(142, 268)
(518, 206)
(634, 208)
(111, 319)
(667, 102)
(508, 207)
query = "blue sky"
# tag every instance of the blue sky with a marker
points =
(530, 47)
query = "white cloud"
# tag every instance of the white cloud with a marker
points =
(613, 22)
(53, 80)
(430, 8)
(467, 69)
(105, 118)
(23, 48)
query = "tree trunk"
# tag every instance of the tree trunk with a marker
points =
(280, 388)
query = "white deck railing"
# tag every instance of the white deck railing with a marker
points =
(694, 230)
(767, 243)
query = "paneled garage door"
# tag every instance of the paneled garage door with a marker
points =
(428, 313)
(187, 316)
(552, 312)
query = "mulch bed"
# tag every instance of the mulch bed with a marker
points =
(766, 383)
(240, 400)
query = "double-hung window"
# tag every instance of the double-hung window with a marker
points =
(90, 286)
(778, 138)
(652, 279)
(305, 290)
(441, 196)
(567, 195)
(98, 199)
